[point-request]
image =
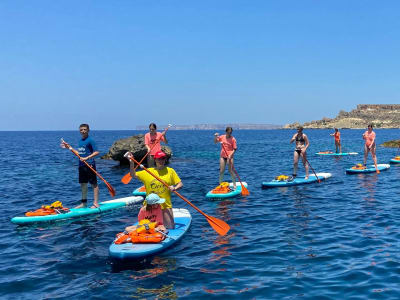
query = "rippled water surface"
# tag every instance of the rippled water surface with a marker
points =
(335, 240)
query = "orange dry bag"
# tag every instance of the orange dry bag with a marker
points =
(145, 237)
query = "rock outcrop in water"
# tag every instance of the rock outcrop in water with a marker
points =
(380, 115)
(134, 144)
(391, 144)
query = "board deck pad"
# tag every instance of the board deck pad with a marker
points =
(124, 251)
(232, 193)
(337, 154)
(297, 181)
(79, 212)
(369, 169)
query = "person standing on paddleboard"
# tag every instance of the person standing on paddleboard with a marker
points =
(87, 150)
(369, 137)
(228, 149)
(302, 144)
(152, 185)
(336, 134)
(151, 138)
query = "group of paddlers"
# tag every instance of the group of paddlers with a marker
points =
(157, 206)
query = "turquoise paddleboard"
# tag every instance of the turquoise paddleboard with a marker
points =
(369, 169)
(79, 212)
(182, 218)
(337, 154)
(232, 193)
(395, 161)
(297, 181)
(137, 192)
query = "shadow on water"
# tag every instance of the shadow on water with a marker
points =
(148, 267)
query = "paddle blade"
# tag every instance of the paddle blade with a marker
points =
(218, 225)
(126, 179)
(245, 191)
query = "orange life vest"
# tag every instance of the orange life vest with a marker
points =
(142, 188)
(145, 237)
(223, 188)
(45, 210)
(144, 233)
(359, 167)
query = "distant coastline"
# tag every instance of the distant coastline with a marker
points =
(217, 127)
(379, 115)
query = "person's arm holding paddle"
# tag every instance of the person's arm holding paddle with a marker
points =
(216, 138)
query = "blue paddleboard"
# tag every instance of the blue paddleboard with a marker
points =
(297, 181)
(369, 169)
(137, 192)
(182, 218)
(337, 154)
(395, 161)
(79, 212)
(232, 193)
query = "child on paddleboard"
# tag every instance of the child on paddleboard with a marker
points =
(336, 135)
(228, 149)
(87, 149)
(153, 139)
(370, 146)
(151, 210)
(302, 144)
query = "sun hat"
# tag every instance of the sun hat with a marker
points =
(159, 154)
(154, 199)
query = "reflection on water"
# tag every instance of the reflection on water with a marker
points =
(368, 184)
(165, 292)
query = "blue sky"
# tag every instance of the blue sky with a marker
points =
(118, 64)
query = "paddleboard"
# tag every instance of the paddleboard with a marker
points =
(336, 154)
(395, 161)
(297, 181)
(369, 169)
(138, 191)
(232, 193)
(182, 219)
(79, 212)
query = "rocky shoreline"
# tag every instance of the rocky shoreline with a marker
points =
(380, 115)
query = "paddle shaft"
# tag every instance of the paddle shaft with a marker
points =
(110, 188)
(312, 169)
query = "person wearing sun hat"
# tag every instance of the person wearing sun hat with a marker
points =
(151, 210)
(152, 185)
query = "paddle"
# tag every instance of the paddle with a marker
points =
(218, 225)
(127, 177)
(312, 169)
(245, 191)
(110, 188)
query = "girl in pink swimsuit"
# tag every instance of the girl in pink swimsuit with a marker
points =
(369, 137)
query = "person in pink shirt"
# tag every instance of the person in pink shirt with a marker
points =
(151, 211)
(370, 146)
(229, 143)
(151, 138)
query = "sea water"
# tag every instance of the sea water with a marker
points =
(338, 239)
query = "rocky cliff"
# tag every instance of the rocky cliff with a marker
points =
(380, 115)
